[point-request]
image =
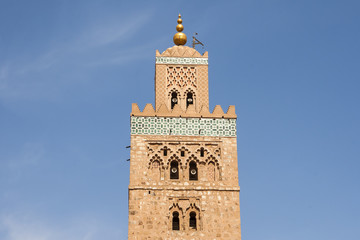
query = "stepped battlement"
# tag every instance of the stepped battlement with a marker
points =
(190, 112)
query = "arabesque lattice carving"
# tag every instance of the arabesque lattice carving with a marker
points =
(181, 77)
(206, 160)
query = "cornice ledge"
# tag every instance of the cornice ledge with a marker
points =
(184, 188)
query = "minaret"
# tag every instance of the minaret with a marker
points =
(183, 159)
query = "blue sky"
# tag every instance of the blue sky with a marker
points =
(69, 71)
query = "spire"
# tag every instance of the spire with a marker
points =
(179, 37)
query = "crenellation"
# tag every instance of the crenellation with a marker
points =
(191, 112)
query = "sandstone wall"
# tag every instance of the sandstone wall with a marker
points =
(153, 196)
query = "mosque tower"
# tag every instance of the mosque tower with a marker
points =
(183, 158)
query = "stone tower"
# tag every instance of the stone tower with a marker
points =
(183, 159)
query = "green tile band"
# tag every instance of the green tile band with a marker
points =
(183, 126)
(177, 60)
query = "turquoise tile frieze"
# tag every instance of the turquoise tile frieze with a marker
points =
(183, 126)
(177, 60)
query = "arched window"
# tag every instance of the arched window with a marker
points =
(174, 170)
(174, 99)
(192, 220)
(156, 170)
(189, 99)
(175, 221)
(193, 173)
(201, 152)
(211, 171)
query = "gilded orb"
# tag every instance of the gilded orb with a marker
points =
(180, 38)
(179, 27)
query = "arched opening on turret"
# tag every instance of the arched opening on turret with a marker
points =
(174, 99)
(202, 152)
(189, 99)
(175, 221)
(192, 220)
(174, 170)
(193, 171)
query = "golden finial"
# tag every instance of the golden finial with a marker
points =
(179, 37)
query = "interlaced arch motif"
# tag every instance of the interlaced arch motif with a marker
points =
(211, 171)
(191, 158)
(176, 207)
(192, 207)
(211, 158)
(212, 168)
(174, 97)
(174, 90)
(156, 159)
(163, 149)
(208, 167)
(192, 216)
(188, 218)
(205, 151)
(175, 211)
(218, 152)
(150, 150)
(184, 150)
(189, 90)
(174, 157)
(181, 76)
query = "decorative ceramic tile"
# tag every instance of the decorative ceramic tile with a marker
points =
(176, 60)
(183, 126)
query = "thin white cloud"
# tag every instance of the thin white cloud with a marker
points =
(25, 227)
(114, 30)
(100, 42)
(15, 229)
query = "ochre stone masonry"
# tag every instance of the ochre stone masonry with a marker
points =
(183, 158)
(154, 196)
(181, 78)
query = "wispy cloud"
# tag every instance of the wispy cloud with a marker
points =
(100, 42)
(25, 227)
(114, 30)
(16, 229)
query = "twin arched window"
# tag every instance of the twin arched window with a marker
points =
(175, 100)
(193, 170)
(192, 220)
(174, 170)
(176, 221)
(189, 99)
